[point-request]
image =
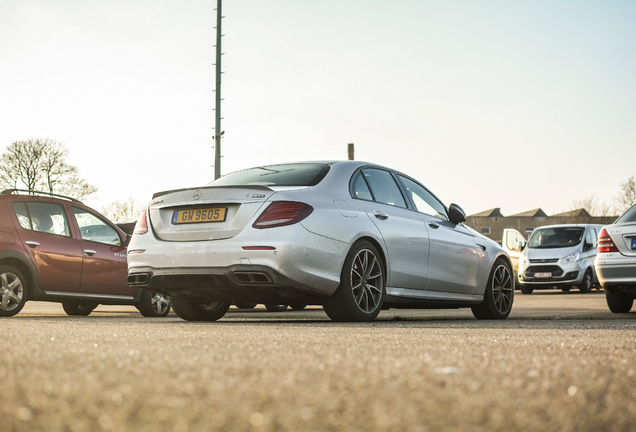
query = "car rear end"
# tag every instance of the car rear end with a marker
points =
(615, 262)
(238, 242)
(616, 259)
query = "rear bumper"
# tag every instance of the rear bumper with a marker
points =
(252, 283)
(615, 270)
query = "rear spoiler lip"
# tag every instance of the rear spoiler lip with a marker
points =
(256, 187)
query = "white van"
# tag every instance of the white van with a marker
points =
(559, 256)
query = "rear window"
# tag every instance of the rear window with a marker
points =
(558, 237)
(276, 175)
(628, 216)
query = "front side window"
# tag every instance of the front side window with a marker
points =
(92, 228)
(382, 186)
(42, 217)
(424, 201)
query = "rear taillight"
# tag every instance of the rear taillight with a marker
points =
(281, 213)
(141, 227)
(605, 243)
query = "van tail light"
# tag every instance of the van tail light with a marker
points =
(605, 243)
(141, 227)
(282, 213)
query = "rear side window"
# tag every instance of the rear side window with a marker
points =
(42, 217)
(276, 175)
(380, 186)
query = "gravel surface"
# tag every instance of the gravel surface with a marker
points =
(560, 362)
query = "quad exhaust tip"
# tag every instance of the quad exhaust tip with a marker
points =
(252, 277)
(138, 279)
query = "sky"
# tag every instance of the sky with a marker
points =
(511, 104)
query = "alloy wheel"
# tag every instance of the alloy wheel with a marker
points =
(11, 290)
(502, 289)
(367, 280)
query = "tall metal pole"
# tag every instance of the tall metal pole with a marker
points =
(217, 122)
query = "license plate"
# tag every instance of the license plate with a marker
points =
(634, 243)
(200, 215)
(543, 275)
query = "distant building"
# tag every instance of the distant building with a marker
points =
(491, 223)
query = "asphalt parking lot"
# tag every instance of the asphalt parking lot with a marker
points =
(561, 362)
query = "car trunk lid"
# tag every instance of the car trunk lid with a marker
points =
(205, 213)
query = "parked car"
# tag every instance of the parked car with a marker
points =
(54, 248)
(615, 262)
(559, 256)
(351, 236)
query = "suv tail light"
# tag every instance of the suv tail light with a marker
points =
(282, 213)
(141, 227)
(605, 243)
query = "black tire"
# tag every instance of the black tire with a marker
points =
(14, 291)
(153, 304)
(565, 288)
(499, 294)
(246, 305)
(79, 309)
(619, 302)
(587, 284)
(362, 290)
(525, 289)
(199, 309)
(275, 307)
(297, 306)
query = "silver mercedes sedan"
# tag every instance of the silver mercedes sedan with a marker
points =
(615, 262)
(351, 236)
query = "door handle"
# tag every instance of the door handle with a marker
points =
(89, 252)
(380, 215)
(433, 225)
(32, 243)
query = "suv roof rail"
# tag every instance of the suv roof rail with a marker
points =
(33, 192)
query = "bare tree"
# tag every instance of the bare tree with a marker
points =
(593, 206)
(123, 210)
(40, 164)
(627, 196)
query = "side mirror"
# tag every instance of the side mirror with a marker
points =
(456, 214)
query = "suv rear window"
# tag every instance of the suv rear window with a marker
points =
(276, 175)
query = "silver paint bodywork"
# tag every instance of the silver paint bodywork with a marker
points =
(426, 257)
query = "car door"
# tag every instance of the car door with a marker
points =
(104, 256)
(454, 256)
(513, 242)
(46, 234)
(404, 233)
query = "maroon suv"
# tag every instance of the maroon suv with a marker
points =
(54, 248)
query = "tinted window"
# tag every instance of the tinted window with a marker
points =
(95, 229)
(557, 237)
(424, 201)
(383, 187)
(276, 175)
(42, 217)
(361, 189)
(628, 216)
